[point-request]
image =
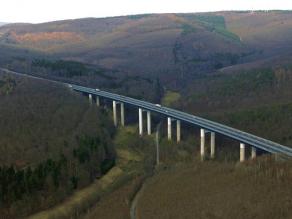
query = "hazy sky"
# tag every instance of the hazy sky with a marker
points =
(36, 11)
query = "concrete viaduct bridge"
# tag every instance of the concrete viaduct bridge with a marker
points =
(176, 116)
(206, 126)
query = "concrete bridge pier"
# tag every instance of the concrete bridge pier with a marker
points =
(212, 145)
(168, 128)
(122, 114)
(97, 100)
(148, 122)
(178, 131)
(242, 152)
(140, 122)
(90, 98)
(253, 152)
(203, 144)
(115, 113)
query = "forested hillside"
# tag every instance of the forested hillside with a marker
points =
(52, 142)
(257, 101)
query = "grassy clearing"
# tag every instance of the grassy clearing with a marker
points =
(170, 98)
(258, 189)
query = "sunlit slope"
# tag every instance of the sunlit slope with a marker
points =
(267, 33)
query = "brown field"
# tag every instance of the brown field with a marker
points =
(53, 36)
(260, 189)
(261, 25)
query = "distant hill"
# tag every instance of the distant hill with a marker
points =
(146, 44)
(175, 48)
(2, 23)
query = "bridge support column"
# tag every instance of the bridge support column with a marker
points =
(242, 152)
(169, 128)
(212, 145)
(97, 100)
(178, 134)
(253, 152)
(90, 98)
(122, 114)
(202, 144)
(115, 113)
(140, 122)
(148, 122)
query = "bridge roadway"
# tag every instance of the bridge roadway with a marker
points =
(233, 133)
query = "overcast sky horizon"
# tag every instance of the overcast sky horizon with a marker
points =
(36, 11)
